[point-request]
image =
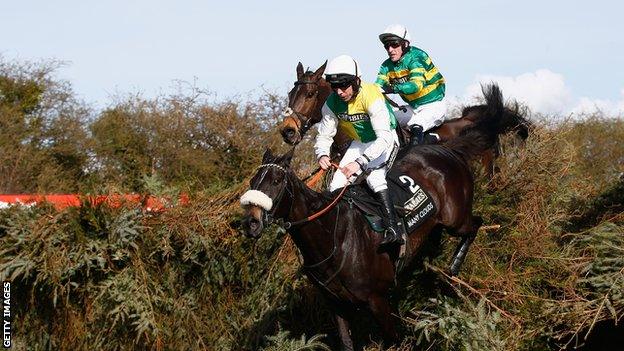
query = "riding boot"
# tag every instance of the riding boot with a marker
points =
(431, 138)
(393, 233)
(417, 134)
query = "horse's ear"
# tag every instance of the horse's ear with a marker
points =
(320, 70)
(299, 71)
(267, 157)
(288, 157)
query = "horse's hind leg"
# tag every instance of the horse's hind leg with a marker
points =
(468, 236)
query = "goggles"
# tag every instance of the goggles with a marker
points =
(340, 85)
(340, 81)
(392, 44)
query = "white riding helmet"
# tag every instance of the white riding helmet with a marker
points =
(342, 68)
(395, 31)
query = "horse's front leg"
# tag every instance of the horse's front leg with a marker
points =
(344, 332)
(382, 312)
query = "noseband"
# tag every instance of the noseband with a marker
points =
(268, 215)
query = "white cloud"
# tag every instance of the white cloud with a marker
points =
(588, 106)
(545, 92)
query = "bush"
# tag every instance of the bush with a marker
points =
(99, 278)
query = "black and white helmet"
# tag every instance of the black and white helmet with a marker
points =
(395, 33)
(342, 70)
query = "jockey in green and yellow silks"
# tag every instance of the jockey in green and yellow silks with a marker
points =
(353, 116)
(409, 72)
(362, 112)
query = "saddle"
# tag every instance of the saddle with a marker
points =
(412, 203)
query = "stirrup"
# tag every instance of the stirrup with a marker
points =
(392, 236)
(417, 136)
(431, 138)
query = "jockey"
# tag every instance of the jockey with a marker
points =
(362, 112)
(409, 72)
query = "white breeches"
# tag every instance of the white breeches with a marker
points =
(377, 178)
(428, 116)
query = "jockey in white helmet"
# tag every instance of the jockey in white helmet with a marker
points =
(362, 112)
(409, 72)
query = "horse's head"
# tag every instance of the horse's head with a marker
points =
(267, 195)
(305, 100)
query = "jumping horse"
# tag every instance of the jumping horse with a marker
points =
(310, 91)
(339, 248)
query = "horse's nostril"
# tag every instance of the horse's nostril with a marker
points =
(254, 224)
(289, 135)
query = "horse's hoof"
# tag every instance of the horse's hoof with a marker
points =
(454, 271)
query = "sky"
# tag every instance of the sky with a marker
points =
(558, 57)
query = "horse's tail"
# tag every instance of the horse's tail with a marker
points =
(511, 118)
(483, 135)
(518, 122)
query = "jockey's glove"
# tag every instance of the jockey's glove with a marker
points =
(388, 89)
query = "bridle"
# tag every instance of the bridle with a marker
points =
(269, 216)
(303, 121)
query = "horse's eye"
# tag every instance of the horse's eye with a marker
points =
(311, 94)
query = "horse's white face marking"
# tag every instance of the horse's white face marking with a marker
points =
(287, 112)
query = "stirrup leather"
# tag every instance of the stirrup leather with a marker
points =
(417, 135)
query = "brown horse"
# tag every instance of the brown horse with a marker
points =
(340, 250)
(307, 97)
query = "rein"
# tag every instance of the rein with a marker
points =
(394, 104)
(310, 269)
(288, 225)
(314, 177)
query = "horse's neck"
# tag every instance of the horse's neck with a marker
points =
(315, 240)
(323, 94)
(341, 137)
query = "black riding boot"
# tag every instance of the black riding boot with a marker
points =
(431, 138)
(417, 134)
(393, 233)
